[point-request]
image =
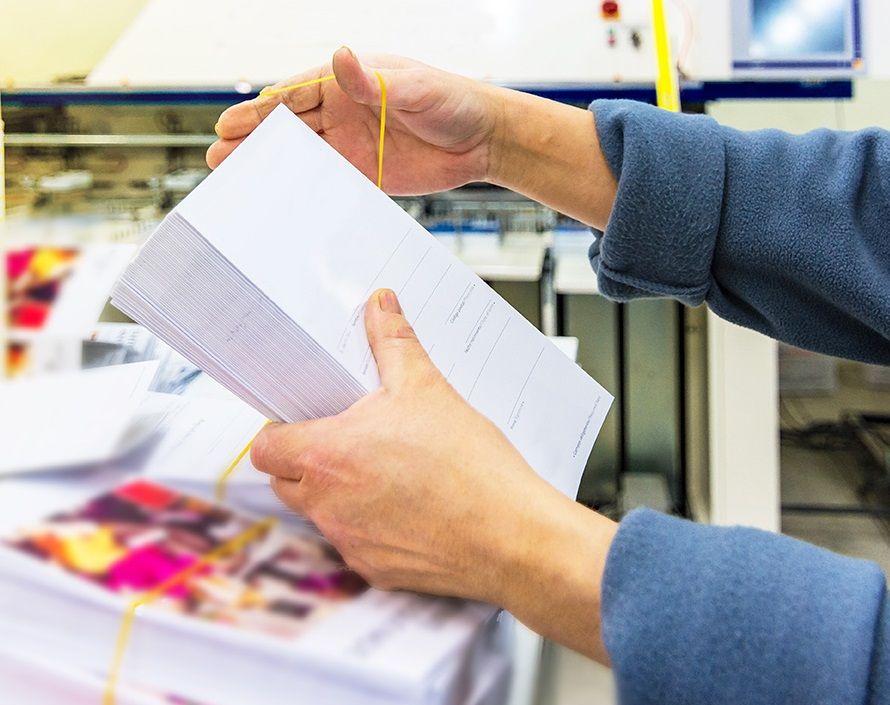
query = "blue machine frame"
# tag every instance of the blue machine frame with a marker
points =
(691, 93)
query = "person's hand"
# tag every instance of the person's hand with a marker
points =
(439, 126)
(419, 491)
(414, 487)
(442, 131)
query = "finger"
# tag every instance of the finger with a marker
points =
(291, 493)
(219, 150)
(242, 118)
(280, 449)
(222, 148)
(303, 98)
(400, 356)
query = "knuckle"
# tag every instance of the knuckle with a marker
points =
(317, 462)
(399, 330)
(311, 457)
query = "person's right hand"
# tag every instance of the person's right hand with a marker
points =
(439, 126)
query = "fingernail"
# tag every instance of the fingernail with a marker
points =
(216, 129)
(388, 302)
(351, 52)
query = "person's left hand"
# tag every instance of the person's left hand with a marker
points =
(414, 487)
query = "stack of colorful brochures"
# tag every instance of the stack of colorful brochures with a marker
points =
(231, 610)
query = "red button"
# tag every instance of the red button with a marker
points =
(610, 10)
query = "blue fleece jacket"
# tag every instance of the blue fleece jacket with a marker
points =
(788, 235)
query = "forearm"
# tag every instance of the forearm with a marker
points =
(556, 552)
(554, 556)
(550, 152)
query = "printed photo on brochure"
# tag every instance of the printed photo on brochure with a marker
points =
(141, 534)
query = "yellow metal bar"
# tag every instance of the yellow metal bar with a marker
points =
(667, 86)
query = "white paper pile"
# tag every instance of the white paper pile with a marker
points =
(70, 419)
(275, 621)
(260, 276)
(31, 680)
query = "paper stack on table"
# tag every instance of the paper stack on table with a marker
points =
(260, 276)
(30, 680)
(280, 618)
(70, 419)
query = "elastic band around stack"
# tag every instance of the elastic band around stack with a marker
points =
(256, 529)
(120, 649)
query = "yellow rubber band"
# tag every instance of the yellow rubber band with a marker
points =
(266, 92)
(221, 482)
(123, 637)
(382, 130)
(667, 88)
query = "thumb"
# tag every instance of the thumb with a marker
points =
(362, 84)
(399, 354)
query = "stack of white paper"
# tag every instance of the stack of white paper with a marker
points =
(32, 680)
(276, 619)
(260, 276)
(70, 419)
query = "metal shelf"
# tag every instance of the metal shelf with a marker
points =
(62, 140)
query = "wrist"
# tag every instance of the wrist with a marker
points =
(501, 143)
(551, 153)
(554, 581)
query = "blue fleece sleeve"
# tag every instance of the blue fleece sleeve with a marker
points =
(701, 615)
(788, 235)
